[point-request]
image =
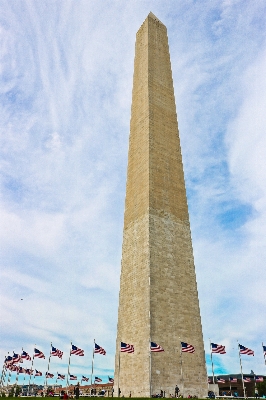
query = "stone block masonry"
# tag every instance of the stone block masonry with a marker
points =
(158, 298)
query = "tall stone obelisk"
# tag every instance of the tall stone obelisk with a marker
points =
(158, 291)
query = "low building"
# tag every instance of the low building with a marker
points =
(229, 387)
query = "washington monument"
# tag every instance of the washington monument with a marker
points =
(158, 299)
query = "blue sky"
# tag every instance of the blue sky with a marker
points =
(66, 71)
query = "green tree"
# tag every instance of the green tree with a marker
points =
(261, 388)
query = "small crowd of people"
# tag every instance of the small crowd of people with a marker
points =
(64, 395)
(175, 395)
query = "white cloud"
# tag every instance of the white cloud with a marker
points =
(66, 76)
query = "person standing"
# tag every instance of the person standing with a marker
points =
(176, 391)
(77, 391)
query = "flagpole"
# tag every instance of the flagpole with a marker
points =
(92, 362)
(212, 362)
(243, 384)
(2, 374)
(48, 368)
(118, 388)
(69, 364)
(16, 383)
(8, 380)
(230, 387)
(150, 366)
(31, 368)
(181, 366)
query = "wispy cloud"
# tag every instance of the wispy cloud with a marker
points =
(66, 79)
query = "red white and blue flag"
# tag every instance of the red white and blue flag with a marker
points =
(8, 360)
(232, 379)
(49, 375)
(98, 349)
(57, 353)
(96, 379)
(246, 379)
(126, 348)
(259, 378)
(25, 356)
(217, 348)
(264, 350)
(38, 373)
(21, 370)
(156, 347)
(187, 348)
(60, 376)
(73, 377)
(245, 350)
(29, 371)
(16, 358)
(220, 380)
(38, 354)
(13, 367)
(75, 350)
(85, 379)
(111, 380)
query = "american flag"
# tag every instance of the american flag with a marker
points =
(56, 352)
(245, 350)
(38, 373)
(29, 371)
(187, 348)
(259, 378)
(231, 379)
(60, 376)
(217, 348)
(25, 356)
(246, 379)
(16, 358)
(49, 375)
(96, 379)
(85, 379)
(220, 380)
(264, 350)
(126, 348)
(21, 370)
(8, 360)
(38, 354)
(13, 367)
(73, 377)
(111, 380)
(156, 347)
(209, 380)
(75, 350)
(98, 349)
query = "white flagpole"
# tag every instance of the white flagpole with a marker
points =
(212, 363)
(8, 378)
(31, 370)
(17, 379)
(92, 363)
(243, 384)
(3, 373)
(4, 376)
(150, 367)
(118, 388)
(48, 368)
(69, 364)
(181, 367)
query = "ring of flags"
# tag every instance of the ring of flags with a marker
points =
(11, 361)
